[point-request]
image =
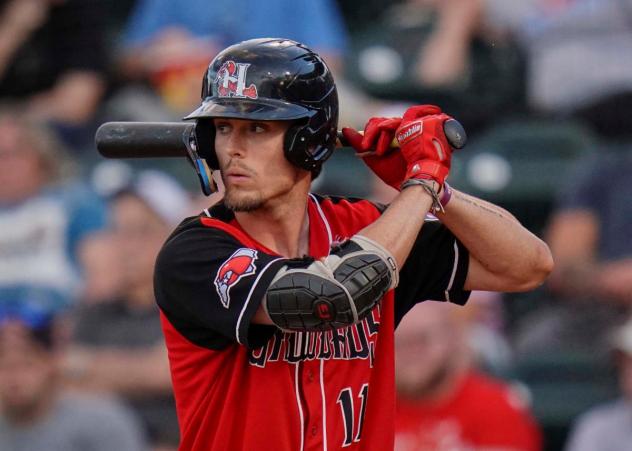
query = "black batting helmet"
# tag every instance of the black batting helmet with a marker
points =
(274, 79)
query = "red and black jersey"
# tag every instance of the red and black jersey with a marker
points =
(243, 386)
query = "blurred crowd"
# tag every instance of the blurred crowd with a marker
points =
(544, 89)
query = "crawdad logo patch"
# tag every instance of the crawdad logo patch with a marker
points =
(231, 81)
(237, 266)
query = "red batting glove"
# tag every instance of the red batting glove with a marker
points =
(375, 149)
(423, 144)
(379, 132)
(390, 168)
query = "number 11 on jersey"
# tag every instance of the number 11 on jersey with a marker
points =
(346, 401)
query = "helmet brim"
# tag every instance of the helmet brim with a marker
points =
(259, 109)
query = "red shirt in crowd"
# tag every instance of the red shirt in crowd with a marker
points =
(482, 413)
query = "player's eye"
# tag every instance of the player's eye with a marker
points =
(222, 128)
(257, 128)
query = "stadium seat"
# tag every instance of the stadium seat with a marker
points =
(562, 386)
(521, 164)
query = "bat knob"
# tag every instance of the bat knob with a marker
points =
(455, 133)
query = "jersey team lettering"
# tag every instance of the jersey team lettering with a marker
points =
(236, 267)
(348, 343)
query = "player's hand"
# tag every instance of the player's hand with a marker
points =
(379, 132)
(423, 144)
(374, 147)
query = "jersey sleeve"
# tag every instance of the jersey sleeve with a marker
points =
(209, 285)
(435, 270)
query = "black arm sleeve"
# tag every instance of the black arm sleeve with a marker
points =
(435, 270)
(209, 286)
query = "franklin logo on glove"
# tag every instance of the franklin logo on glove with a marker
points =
(413, 130)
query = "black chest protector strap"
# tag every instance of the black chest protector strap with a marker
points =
(335, 292)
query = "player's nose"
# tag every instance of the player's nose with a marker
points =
(235, 145)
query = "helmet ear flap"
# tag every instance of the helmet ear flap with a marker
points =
(296, 145)
(205, 136)
(306, 147)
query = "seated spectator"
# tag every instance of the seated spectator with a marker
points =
(36, 414)
(52, 59)
(575, 63)
(444, 402)
(589, 236)
(485, 332)
(607, 427)
(100, 264)
(444, 56)
(118, 345)
(46, 216)
(172, 42)
(441, 52)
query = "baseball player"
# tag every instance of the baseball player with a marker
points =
(279, 306)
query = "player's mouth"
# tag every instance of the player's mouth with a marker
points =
(237, 175)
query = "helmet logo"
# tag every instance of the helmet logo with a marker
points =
(231, 81)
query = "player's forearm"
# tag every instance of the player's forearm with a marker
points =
(498, 241)
(398, 227)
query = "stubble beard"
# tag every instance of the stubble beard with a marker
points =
(242, 202)
(237, 200)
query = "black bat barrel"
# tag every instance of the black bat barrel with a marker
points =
(143, 139)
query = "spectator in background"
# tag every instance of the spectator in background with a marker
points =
(45, 215)
(444, 403)
(607, 427)
(36, 414)
(170, 42)
(485, 332)
(118, 344)
(442, 52)
(52, 59)
(578, 60)
(100, 259)
(589, 235)
(444, 56)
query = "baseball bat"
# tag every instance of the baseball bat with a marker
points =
(171, 139)
(144, 139)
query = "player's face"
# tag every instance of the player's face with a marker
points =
(254, 170)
